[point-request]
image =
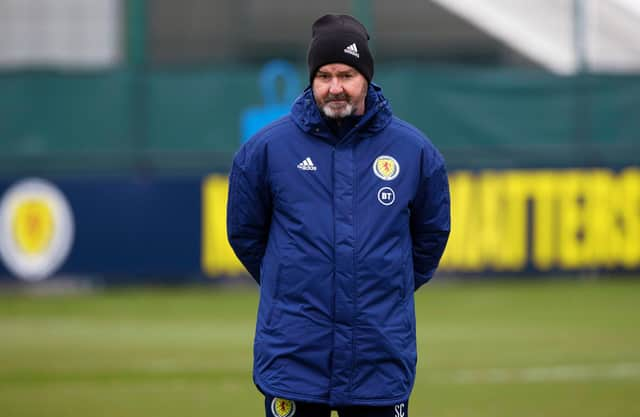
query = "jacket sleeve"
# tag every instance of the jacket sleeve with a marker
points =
(430, 217)
(248, 212)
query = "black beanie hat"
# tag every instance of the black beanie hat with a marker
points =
(339, 38)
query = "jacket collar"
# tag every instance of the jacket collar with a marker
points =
(377, 114)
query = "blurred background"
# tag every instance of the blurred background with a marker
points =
(118, 123)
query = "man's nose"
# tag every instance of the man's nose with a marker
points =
(336, 86)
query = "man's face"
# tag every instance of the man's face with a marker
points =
(339, 90)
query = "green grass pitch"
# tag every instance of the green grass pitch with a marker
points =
(552, 348)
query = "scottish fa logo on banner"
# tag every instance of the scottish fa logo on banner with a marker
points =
(36, 229)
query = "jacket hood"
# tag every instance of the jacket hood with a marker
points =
(377, 116)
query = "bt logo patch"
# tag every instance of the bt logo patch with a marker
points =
(386, 196)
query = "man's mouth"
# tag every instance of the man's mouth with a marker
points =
(340, 97)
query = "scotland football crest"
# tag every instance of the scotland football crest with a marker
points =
(36, 229)
(386, 167)
(283, 408)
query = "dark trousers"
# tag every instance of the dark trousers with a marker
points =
(280, 407)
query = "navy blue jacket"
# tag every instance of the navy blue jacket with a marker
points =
(338, 233)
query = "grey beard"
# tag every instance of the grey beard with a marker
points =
(348, 110)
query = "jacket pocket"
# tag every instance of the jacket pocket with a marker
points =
(406, 286)
(383, 365)
(273, 293)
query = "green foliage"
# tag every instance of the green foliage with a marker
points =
(549, 348)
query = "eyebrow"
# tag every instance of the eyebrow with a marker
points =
(345, 72)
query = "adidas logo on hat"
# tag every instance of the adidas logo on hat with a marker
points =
(353, 50)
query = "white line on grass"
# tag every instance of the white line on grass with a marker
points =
(552, 373)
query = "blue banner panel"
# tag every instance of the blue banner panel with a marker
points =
(114, 227)
(173, 230)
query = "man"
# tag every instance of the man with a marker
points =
(340, 211)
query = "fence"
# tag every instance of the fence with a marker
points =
(189, 122)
